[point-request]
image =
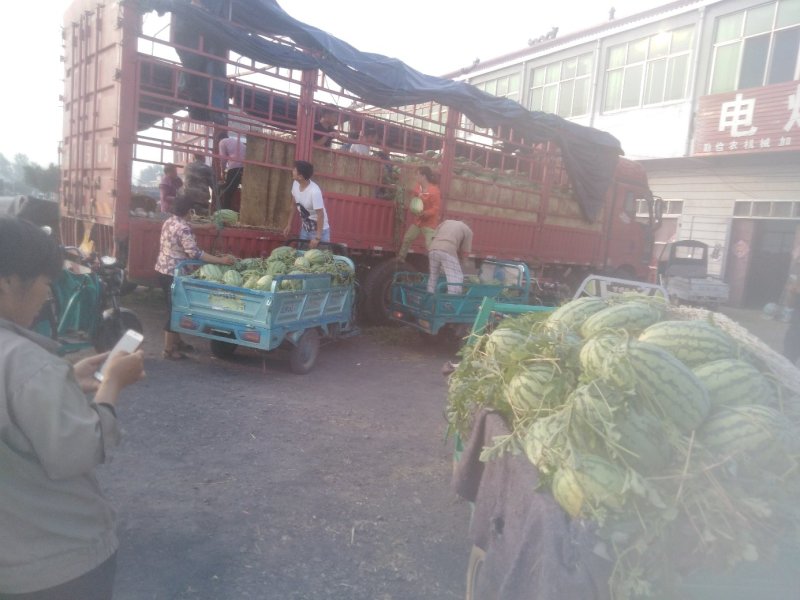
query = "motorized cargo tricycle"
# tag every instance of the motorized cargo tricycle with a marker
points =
(292, 319)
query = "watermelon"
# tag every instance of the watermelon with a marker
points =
(733, 382)
(534, 388)
(232, 278)
(211, 272)
(595, 352)
(264, 283)
(633, 317)
(601, 481)
(567, 491)
(660, 378)
(572, 314)
(753, 431)
(416, 206)
(643, 443)
(691, 342)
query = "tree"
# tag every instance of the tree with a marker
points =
(45, 180)
(150, 176)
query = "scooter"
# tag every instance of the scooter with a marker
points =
(84, 310)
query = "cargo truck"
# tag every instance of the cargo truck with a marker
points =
(150, 82)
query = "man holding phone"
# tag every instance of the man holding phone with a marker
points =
(57, 528)
(127, 344)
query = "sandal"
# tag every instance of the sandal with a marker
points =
(184, 347)
(173, 355)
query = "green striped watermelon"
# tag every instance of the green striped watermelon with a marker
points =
(595, 352)
(754, 431)
(668, 384)
(691, 342)
(733, 382)
(534, 388)
(572, 314)
(643, 443)
(633, 317)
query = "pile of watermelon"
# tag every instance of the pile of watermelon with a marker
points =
(260, 273)
(675, 439)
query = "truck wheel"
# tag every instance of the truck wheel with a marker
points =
(222, 349)
(377, 290)
(304, 354)
(474, 567)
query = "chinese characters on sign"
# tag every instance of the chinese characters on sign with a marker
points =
(757, 120)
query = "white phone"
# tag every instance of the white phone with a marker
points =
(129, 343)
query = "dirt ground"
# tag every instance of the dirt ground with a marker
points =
(238, 479)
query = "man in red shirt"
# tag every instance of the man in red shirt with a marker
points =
(426, 222)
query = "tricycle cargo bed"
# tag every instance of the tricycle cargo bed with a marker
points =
(414, 305)
(256, 318)
(698, 290)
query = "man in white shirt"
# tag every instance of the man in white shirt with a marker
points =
(307, 196)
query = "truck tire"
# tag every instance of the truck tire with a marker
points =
(304, 354)
(222, 349)
(376, 290)
(474, 566)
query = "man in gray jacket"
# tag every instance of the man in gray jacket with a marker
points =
(57, 538)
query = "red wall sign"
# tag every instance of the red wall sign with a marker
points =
(765, 119)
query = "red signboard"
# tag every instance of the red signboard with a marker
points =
(765, 119)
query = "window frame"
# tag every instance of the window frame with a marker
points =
(560, 84)
(740, 43)
(669, 61)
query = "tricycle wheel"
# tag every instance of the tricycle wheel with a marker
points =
(303, 355)
(222, 349)
(476, 558)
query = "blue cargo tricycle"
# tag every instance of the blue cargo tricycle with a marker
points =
(433, 312)
(265, 320)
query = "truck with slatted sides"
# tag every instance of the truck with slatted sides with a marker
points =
(150, 82)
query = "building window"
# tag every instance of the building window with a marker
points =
(562, 88)
(773, 209)
(672, 208)
(649, 70)
(503, 87)
(757, 46)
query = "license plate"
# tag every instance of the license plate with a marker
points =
(220, 302)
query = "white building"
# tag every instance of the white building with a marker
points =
(706, 94)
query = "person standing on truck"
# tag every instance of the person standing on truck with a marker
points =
(232, 151)
(177, 243)
(325, 128)
(57, 528)
(199, 177)
(307, 196)
(169, 187)
(427, 190)
(366, 139)
(451, 243)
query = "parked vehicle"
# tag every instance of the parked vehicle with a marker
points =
(291, 319)
(683, 271)
(504, 170)
(84, 310)
(531, 533)
(431, 312)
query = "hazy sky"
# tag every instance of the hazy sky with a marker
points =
(433, 36)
